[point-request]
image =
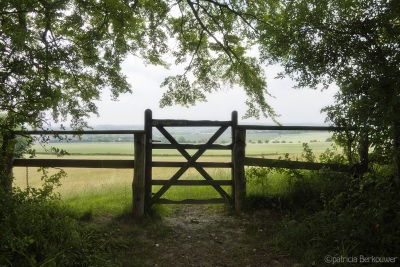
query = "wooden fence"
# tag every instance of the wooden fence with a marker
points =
(143, 163)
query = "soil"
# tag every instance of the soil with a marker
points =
(197, 235)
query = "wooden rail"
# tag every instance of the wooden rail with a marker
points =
(186, 123)
(75, 163)
(94, 132)
(192, 164)
(190, 146)
(193, 182)
(286, 164)
(291, 128)
(192, 201)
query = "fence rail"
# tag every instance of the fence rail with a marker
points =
(286, 164)
(94, 132)
(292, 128)
(75, 163)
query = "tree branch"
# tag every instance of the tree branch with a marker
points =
(195, 52)
(228, 52)
(237, 13)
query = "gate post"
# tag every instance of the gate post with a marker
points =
(148, 128)
(234, 118)
(138, 184)
(239, 180)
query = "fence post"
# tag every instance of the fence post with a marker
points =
(148, 128)
(138, 184)
(239, 179)
(233, 134)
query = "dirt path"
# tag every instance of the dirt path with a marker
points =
(199, 236)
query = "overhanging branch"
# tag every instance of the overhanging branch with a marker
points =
(227, 51)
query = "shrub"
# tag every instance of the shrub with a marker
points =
(331, 213)
(36, 229)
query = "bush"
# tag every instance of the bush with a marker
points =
(36, 229)
(361, 218)
(331, 213)
(38, 232)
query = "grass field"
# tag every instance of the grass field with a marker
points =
(122, 148)
(108, 191)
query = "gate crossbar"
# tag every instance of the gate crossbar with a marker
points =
(191, 160)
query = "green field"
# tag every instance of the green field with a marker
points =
(121, 148)
(108, 191)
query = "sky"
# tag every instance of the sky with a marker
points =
(295, 106)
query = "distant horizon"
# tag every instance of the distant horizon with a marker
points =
(240, 123)
(141, 126)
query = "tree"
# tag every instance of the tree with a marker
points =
(56, 56)
(354, 44)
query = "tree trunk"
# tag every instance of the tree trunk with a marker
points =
(363, 152)
(396, 147)
(6, 160)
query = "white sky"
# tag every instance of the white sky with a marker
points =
(296, 106)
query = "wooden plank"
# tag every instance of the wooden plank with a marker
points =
(75, 163)
(194, 164)
(194, 182)
(94, 132)
(192, 201)
(291, 128)
(190, 123)
(239, 178)
(191, 146)
(260, 162)
(138, 183)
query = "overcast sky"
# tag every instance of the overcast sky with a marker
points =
(294, 105)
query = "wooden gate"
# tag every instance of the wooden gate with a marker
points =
(191, 161)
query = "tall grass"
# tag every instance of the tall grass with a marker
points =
(108, 192)
(328, 213)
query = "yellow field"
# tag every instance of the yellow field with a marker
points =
(109, 190)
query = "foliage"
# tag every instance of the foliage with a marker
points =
(329, 213)
(58, 55)
(36, 230)
(354, 44)
(360, 218)
(298, 189)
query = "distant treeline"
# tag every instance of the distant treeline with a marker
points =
(94, 139)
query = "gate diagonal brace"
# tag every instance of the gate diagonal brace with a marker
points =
(200, 169)
(191, 160)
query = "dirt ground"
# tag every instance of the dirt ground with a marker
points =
(197, 235)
